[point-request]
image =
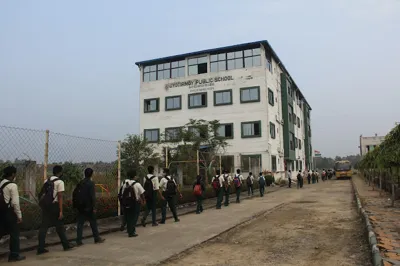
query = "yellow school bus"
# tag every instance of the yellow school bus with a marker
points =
(343, 169)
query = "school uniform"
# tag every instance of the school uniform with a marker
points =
(199, 198)
(9, 219)
(132, 212)
(261, 182)
(50, 217)
(220, 191)
(87, 213)
(238, 189)
(250, 188)
(227, 190)
(122, 216)
(151, 204)
(289, 177)
(169, 199)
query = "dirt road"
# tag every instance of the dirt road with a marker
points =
(319, 228)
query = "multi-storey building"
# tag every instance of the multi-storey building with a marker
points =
(368, 144)
(263, 114)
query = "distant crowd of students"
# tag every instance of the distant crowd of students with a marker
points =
(312, 177)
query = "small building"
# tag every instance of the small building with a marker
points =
(368, 144)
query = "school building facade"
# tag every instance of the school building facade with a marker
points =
(263, 114)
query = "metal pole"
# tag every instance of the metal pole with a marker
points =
(166, 157)
(198, 163)
(249, 164)
(259, 165)
(46, 155)
(119, 174)
(220, 163)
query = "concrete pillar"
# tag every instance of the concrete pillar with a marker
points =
(30, 174)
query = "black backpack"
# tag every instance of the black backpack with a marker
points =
(248, 181)
(128, 199)
(171, 187)
(148, 188)
(4, 206)
(46, 197)
(80, 196)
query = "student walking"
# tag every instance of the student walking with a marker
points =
(227, 187)
(10, 212)
(51, 203)
(218, 185)
(308, 174)
(198, 190)
(299, 177)
(84, 200)
(132, 199)
(170, 189)
(152, 188)
(261, 182)
(238, 182)
(313, 177)
(250, 182)
(289, 177)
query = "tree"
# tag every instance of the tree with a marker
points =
(137, 153)
(196, 135)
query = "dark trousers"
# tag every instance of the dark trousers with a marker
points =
(220, 197)
(10, 226)
(171, 201)
(86, 216)
(50, 219)
(250, 189)
(238, 191)
(122, 217)
(290, 182)
(262, 189)
(309, 180)
(227, 193)
(132, 216)
(150, 206)
(199, 200)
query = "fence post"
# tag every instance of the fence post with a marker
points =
(197, 162)
(220, 162)
(119, 175)
(46, 155)
(166, 157)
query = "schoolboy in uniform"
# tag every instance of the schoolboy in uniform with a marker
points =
(169, 190)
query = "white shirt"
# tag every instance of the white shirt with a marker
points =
(156, 183)
(58, 187)
(221, 180)
(229, 178)
(289, 174)
(11, 192)
(164, 181)
(261, 177)
(252, 179)
(137, 188)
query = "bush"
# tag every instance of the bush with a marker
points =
(269, 179)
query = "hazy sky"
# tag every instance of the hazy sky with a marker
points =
(68, 66)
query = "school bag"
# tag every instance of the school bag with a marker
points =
(80, 196)
(197, 190)
(171, 187)
(148, 188)
(128, 199)
(4, 206)
(262, 181)
(298, 176)
(323, 173)
(46, 194)
(236, 181)
(248, 181)
(215, 184)
(120, 194)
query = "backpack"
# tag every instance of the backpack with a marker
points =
(46, 195)
(80, 196)
(171, 187)
(4, 206)
(120, 193)
(262, 181)
(148, 188)
(128, 198)
(197, 191)
(298, 176)
(323, 173)
(236, 181)
(215, 183)
(248, 181)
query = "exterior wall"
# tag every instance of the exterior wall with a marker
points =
(307, 137)
(369, 141)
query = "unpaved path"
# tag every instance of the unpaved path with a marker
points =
(319, 228)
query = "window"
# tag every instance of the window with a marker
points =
(252, 57)
(309, 131)
(290, 113)
(225, 131)
(173, 103)
(197, 100)
(298, 122)
(218, 62)
(299, 143)
(235, 60)
(272, 131)
(172, 133)
(271, 97)
(251, 94)
(169, 70)
(223, 97)
(292, 141)
(198, 65)
(251, 129)
(269, 62)
(250, 163)
(300, 165)
(151, 105)
(297, 165)
(199, 132)
(294, 119)
(296, 144)
(152, 135)
(273, 163)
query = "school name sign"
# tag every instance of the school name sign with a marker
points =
(195, 83)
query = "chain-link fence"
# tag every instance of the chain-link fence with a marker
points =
(36, 152)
